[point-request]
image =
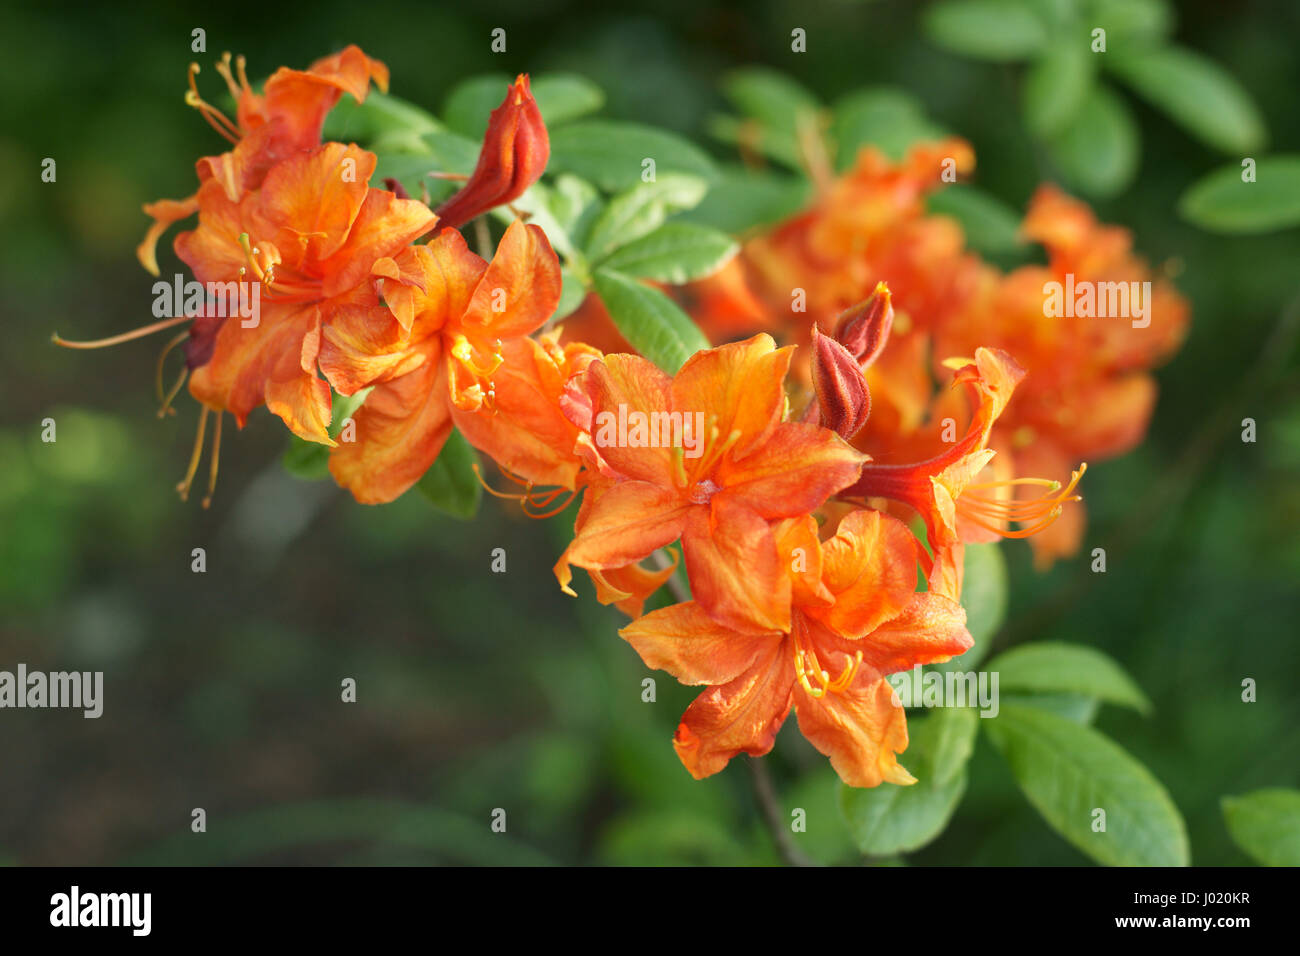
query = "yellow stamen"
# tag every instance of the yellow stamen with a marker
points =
(216, 119)
(183, 486)
(1034, 515)
(216, 459)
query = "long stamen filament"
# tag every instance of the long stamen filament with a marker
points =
(183, 486)
(216, 460)
(124, 337)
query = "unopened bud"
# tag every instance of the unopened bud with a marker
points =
(515, 150)
(864, 328)
(843, 398)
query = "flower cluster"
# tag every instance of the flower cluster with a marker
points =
(788, 475)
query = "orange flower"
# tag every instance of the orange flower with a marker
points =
(436, 353)
(1089, 394)
(744, 467)
(525, 430)
(854, 618)
(284, 120)
(308, 237)
(944, 489)
(515, 150)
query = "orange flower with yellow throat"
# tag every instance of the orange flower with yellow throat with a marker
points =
(852, 617)
(307, 239)
(284, 119)
(437, 352)
(749, 467)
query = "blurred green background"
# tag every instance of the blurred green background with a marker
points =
(480, 691)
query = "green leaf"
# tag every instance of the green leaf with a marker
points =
(1057, 84)
(380, 114)
(1222, 202)
(1049, 667)
(452, 152)
(575, 204)
(991, 226)
(677, 252)
(950, 743)
(1081, 710)
(572, 295)
(1098, 152)
(887, 118)
(649, 320)
(1131, 21)
(741, 199)
(984, 595)
(470, 102)
(1197, 93)
(1266, 824)
(1067, 771)
(640, 210)
(778, 104)
(565, 96)
(1002, 30)
(307, 460)
(892, 819)
(611, 154)
(450, 484)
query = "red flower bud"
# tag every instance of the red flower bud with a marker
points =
(515, 150)
(843, 398)
(864, 328)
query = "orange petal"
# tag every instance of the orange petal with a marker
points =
(793, 473)
(740, 386)
(744, 714)
(734, 568)
(870, 568)
(683, 640)
(400, 429)
(383, 227)
(930, 630)
(619, 386)
(164, 212)
(624, 524)
(272, 363)
(861, 729)
(524, 430)
(628, 587)
(364, 345)
(520, 289)
(307, 204)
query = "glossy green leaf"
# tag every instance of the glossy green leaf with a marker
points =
(1197, 93)
(470, 102)
(1098, 152)
(1057, 83)
(450, 484)
(780, 106)
(1223, 202)
(677, 252)
(741, 199)
(380, 114)
(1050, 667)
(1067, 771)
(613, 154)
(649, 320)
(563, 97)
(892, 819)
(1266, 824)
(1003, 30)
(640, 210)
